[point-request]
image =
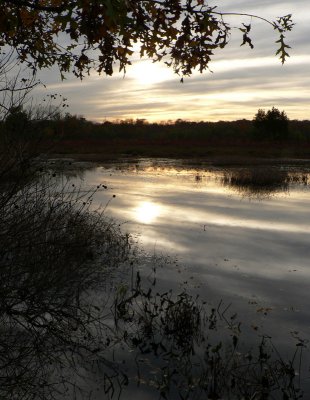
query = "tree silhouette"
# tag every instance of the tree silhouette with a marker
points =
(82, 35)
(271, 124)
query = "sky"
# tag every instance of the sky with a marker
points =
(243, 80)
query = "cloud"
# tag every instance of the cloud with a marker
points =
(243, 79)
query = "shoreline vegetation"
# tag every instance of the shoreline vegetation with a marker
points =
(240, 141)
(217, 141)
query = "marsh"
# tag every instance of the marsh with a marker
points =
(238, 236)
(156, 278)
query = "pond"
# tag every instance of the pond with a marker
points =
(237, 236)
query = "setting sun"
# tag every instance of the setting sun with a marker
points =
(147, 73)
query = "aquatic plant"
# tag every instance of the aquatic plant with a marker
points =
(186, 349)
(258, 181)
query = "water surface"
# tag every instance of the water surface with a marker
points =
(239, 236)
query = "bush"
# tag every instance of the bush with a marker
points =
(54, 254)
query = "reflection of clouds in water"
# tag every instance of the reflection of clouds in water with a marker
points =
(254, 182)
(235, 249)
(252, 254)
(146, 212)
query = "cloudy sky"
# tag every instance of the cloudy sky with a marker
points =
(242, 80)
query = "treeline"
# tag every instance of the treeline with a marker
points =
(270, 133)
(270, 125)
(240, 131)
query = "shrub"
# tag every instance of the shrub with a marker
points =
(54, 254)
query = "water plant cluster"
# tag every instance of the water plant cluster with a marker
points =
(186, 349)
(262, 181)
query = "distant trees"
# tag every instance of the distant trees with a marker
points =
(272, 124)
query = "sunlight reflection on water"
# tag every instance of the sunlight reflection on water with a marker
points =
(146, 212)
(220, 224)
(238, 238)
(207, 216)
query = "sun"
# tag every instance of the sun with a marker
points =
(146, 72)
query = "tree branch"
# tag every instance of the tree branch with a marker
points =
(38, 7)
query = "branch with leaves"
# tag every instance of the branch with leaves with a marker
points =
(81, 36)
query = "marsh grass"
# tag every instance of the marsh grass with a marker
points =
(257, 181)
(186, 349)
(262, 181)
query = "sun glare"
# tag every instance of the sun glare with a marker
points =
(148, 73)
(146, 212)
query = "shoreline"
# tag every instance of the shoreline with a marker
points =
(212, 160)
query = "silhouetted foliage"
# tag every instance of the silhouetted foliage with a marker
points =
(55, 253)
(272, 124)
(186, 349)
(184, 34)
(180, 137)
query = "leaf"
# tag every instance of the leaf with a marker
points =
(247, 27)
(247, 40)
(282, 49)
